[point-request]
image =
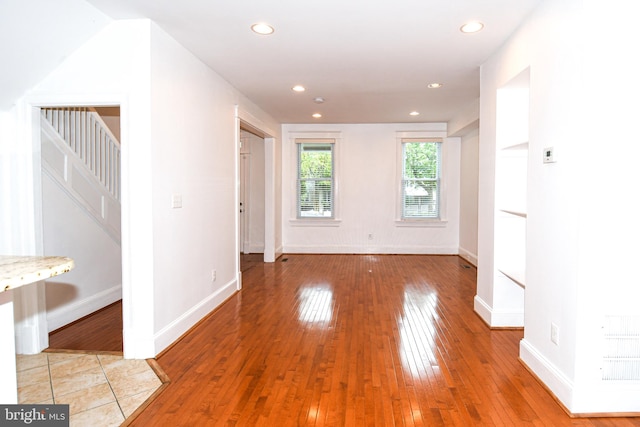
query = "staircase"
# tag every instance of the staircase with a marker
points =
(83, 156)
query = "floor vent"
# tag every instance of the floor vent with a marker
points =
(621, 348)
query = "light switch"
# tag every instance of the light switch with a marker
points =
(176, 201)
(547, 155)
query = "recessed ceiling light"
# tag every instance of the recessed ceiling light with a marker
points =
(318, 100)
(472, 27)
(298, 88)
(414, 113)
(316, 115)
(263, 29)
(434, 85)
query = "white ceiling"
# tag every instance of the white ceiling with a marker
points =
(371, 60)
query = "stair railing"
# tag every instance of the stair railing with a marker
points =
(87, 135)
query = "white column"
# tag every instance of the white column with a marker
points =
(9, 383)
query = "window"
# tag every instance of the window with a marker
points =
(421, 178)
(315, 184)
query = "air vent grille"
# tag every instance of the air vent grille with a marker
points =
(621, 348)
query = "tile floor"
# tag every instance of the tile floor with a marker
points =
(100, 389)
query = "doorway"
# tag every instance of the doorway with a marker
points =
(251, 197)
(81, 217)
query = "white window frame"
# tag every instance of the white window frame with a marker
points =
(434, 136)
(295, 139)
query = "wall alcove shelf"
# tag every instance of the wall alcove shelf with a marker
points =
(516, 276)
(516, 213)
(510, 231)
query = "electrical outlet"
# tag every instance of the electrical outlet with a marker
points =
(370, 236)
(555, 334)
(213, 275)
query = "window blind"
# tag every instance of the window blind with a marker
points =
(315, 181)
(315, 141)
(421, 166)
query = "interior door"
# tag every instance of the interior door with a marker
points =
(244, 213)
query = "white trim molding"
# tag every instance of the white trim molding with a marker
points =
(173, 331)
(71, 312)
(468, 256)
(497, 318)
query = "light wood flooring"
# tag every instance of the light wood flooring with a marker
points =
(353, 340)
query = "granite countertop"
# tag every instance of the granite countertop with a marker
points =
(16, 271)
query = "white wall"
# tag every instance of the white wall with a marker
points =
(179, 125)
(574, 273)
(123, 79)
(96, 280)
(10, 161)
(607, 238)
(277, 158)
(468, 247)
(367, 188)
(194, 156)
(465, 125)
(42, 34)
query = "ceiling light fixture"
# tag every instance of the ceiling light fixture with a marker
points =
(414, 113)
(298, 88)
(472, 27)
(262, 29)
(316, 115)
(434, 85)
(318, 100)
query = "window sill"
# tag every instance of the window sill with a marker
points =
(426, 223)
(315, 222)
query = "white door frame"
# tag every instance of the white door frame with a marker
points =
(245, 187)
(260, 128)
(31, 320)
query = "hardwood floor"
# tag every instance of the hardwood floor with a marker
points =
(248, 261)
(100, 331)
(353, 340)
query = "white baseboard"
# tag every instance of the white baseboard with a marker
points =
(590, 398)
(173, 331)
(482, 309)
(256, 248)
(71, 312)
(468, 256)
(555, 381)
(497, 318)
(391, 250)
